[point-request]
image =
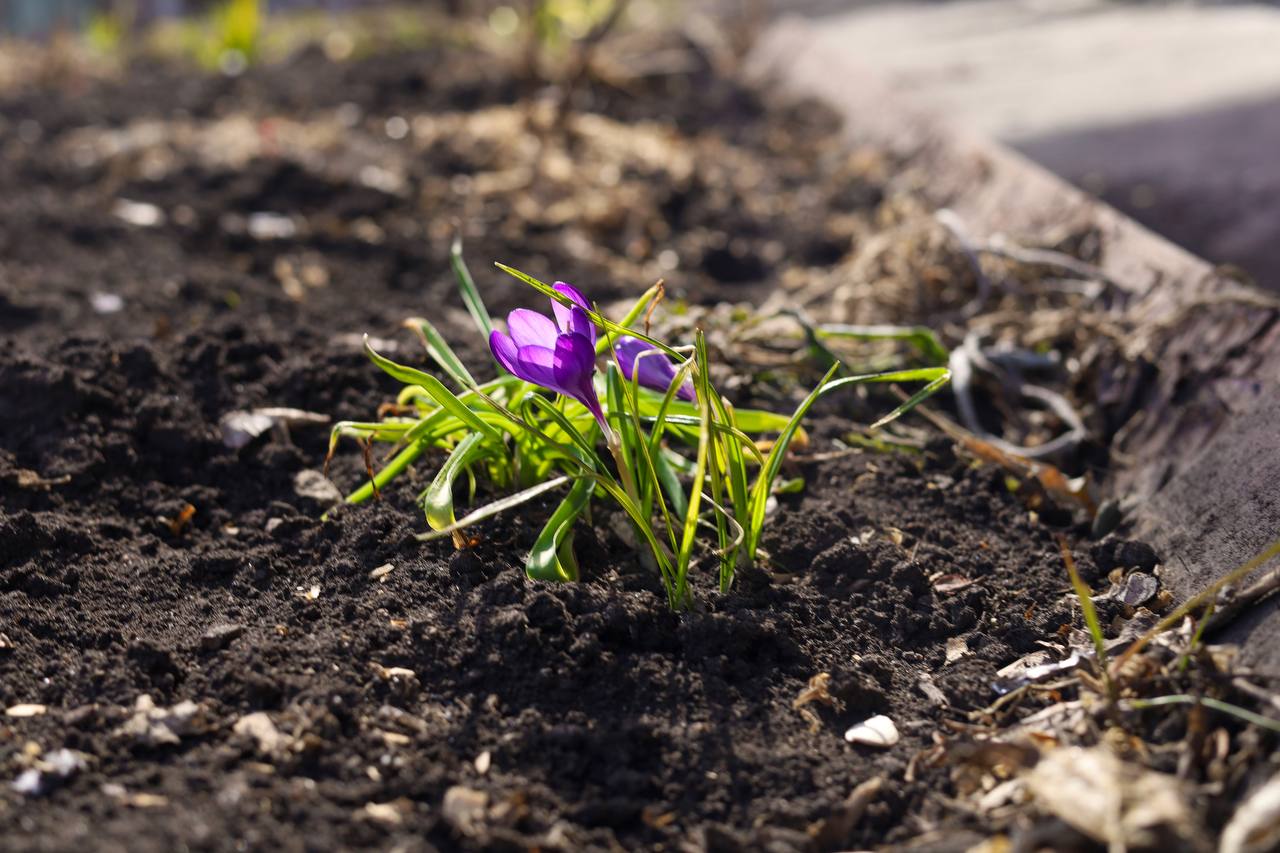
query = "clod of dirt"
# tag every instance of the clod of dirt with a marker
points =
(154, 726)
(875, 731)
(220, 636)
(1113, 802)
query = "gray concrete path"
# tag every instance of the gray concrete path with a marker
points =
(1169, 112)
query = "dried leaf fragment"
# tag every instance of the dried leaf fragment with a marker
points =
(1114, 802)
(818, 690)
(25, 710)
(1255, 826)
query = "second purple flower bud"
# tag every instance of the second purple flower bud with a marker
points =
(652, 368)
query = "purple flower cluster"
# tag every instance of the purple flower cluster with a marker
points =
(560, 354)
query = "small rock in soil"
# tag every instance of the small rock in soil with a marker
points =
(464, 808)
(154, 726)
(49, 770)
(220, 636)
(314, 486)
(1115, 553)
(876, 731)
(391, 814)
(262, 731)
(1139, 587)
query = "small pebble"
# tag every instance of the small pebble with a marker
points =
(876, 731)
(313, 486)
(220, 636)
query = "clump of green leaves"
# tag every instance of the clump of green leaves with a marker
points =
(684, 465)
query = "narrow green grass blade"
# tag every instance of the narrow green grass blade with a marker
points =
(545, 559)
(467, 286)
(922, 338)
(726, 430)
(1209, 702)
(437, 500)
(670, 484)
(650, 485)
(764, 480)
(378, 431)
(644, 404)
(632, 315)
(685, 554)
(496, 508)
(936, 377)
(441, 352)
(731, 468)
(1090, 615)
(572, 432)
(750, 421)
(435, 388)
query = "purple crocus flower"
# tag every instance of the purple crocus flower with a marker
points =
(654, 370)
(559, 355)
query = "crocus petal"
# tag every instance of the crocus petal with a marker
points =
(505, 351)
(573, 319)
(531, 329)
(537, 365)
(653, 369)
(574, 364)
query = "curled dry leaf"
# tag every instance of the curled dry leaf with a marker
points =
(949, 583)
(27, 479)
(241, 427)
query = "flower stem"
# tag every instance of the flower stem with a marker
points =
(624, 470)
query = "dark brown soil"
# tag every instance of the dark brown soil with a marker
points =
(607, 721)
